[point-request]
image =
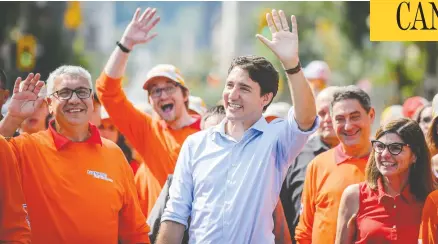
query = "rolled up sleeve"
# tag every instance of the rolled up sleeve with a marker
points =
(293, 139)
(179, 205)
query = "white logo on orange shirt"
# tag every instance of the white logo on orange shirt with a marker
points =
(99, 175)
(27, 215)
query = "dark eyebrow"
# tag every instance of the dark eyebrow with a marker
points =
(355, 113)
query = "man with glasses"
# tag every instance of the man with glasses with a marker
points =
(329, 173)
(78, 186)
(157, 139)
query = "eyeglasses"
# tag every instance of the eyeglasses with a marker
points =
(394, 148)
(426, 119)
(66, 93)
(169, 90)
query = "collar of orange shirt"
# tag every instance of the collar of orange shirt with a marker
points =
(341, 156)
(60, 140)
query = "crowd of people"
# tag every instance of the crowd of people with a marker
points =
(83, 164)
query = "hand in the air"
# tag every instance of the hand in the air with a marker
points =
(138, 30)
(25, 98)
(284, 43)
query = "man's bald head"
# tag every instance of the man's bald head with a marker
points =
(323, 101)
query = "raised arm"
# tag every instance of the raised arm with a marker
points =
(284, 45)
(23, 104)
(132, 123)
(346, 226)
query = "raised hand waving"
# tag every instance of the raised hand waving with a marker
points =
(284, 43)
(138, 31)
(25, 98)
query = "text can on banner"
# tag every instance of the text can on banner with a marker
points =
(402, 20)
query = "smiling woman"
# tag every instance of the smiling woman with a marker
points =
(398, 180)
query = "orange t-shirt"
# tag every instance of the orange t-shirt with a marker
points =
(148, 188)
(157, 144)
(429, 220)
(327, 176)
(78, 192)
(14, 225)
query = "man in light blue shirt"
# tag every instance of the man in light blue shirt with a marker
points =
(228, 178)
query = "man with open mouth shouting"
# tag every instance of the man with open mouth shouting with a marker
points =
(157, 139)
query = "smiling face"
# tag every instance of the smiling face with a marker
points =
(241, 96)
(352, 123)
(167, 98)
(75, 110)
(393, 157)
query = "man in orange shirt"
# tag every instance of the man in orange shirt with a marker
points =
(329, 173)
(78, 186)
(14, 225)
(157, 139)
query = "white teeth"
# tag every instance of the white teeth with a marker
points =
(388, 164)
(234, 105)
(74, 110)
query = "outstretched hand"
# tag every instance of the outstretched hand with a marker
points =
(25, 98)
(284, 43)
(138, 30)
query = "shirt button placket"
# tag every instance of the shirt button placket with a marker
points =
(228, 194)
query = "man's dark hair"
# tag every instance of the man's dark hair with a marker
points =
(216, 110)
(352, 92)
(260, 70)
(3, 79)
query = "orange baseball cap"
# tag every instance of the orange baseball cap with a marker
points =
(165, 70)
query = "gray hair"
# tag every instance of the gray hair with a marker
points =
(69, 70)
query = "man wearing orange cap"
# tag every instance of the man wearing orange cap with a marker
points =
(157, 139)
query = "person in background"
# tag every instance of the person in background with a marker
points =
(329, 173)
(412, 105)
(432, 136)
(69, 170)
(38, 121)
(4, 92)
(387, 206)
(97, 111)
(424, 118)
(158, 139)
(324, 139)
(391, 113)
(197, 106)
(276, 110)
(318, 74)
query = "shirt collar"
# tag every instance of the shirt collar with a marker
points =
(60, 140)
(406, 194)
(260, 125)
(341, 156)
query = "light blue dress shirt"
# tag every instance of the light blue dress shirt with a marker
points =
(230, 188)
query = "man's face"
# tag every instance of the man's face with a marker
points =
(325, 129)
(36, 122)
(95, 117)
(108, 130)
(241, 96)
(167, 98)
(69, 107)
(352, 123)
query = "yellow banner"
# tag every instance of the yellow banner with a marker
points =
(401, 20)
